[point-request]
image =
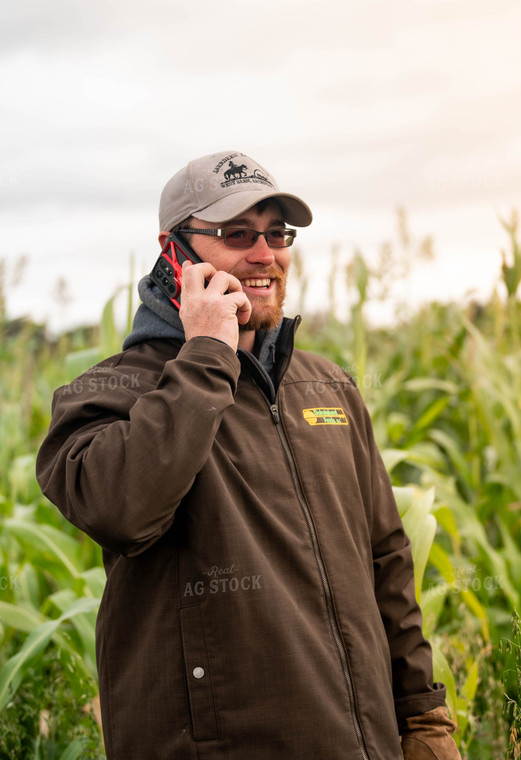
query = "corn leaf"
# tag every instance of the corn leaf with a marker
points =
(74, 750)
(56, 546)
(420, 526)
(443, 674)
(20, 618)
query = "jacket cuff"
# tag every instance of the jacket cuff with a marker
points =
(416, 704)
(203, 349)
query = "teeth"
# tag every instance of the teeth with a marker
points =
(257, 283)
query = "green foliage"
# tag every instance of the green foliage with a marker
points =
(512, 683)
(51, 716)
(51, 578)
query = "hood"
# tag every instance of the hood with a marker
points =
(155, 317)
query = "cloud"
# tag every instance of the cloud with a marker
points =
(358, 107)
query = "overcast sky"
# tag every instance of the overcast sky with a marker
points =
(358, 107)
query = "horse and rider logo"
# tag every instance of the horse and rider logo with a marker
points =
(235, 171)
(240, 172)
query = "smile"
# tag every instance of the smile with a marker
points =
(264, 283)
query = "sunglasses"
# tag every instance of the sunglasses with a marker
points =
(243, 237)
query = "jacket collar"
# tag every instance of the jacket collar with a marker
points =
(155, 318)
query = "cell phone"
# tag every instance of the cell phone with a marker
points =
(167, 271)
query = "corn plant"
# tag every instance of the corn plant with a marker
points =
(512, 682)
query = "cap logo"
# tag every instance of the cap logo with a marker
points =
(236, 174)
(235, 171)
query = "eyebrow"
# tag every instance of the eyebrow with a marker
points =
(247, 221)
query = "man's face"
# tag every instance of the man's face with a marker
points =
(261, 270)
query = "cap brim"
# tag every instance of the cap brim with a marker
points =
(295, 211)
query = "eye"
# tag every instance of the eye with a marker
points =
(236, 234)
(276, 234)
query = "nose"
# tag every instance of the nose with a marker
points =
(260, 252)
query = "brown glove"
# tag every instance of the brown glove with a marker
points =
(429, 736)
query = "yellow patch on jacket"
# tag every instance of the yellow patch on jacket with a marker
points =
(325, 416)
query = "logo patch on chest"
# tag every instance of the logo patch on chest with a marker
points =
(325, 416)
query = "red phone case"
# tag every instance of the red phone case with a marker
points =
(167, 271)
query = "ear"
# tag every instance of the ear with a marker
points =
(163, 237)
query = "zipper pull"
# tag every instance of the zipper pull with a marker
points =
(275, 413)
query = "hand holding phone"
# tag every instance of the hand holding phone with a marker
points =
(215, 303)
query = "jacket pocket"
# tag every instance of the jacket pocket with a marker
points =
(198, 676)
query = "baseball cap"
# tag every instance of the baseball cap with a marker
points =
(219, 187)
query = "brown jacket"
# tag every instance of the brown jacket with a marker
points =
(260, 599)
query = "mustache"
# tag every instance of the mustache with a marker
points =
(274, 272)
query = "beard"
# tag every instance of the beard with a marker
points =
(267, 316)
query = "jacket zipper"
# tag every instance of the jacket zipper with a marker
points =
(323, 576)
(328, 595)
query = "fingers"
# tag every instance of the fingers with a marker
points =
(201, 275)
(194, 276)
(233, 297)
(244, 311)
(213, 303)
(205, 276)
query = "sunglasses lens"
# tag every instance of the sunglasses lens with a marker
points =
(279, 239)
(239, 238)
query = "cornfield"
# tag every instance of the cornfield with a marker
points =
(444, 390)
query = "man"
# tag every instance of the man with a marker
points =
(260, 599)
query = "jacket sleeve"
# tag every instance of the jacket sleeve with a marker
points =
(411, 654)
(117, 461)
